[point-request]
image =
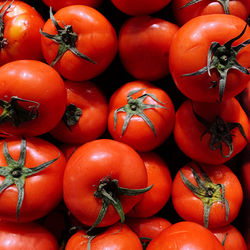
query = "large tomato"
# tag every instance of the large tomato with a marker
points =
(31, 178)
(140, 115)
(79, 42)
(185, 235)
(211, 133)
(212, 191)
(29, 236)
(86, 114)
(20, 32)
(213, 62)
(144, 44)
(106, 175)
(32, 98)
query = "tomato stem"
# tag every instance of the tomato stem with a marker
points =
(71, 115)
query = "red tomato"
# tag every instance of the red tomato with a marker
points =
(185, 235)
(32, 98)
(97, 168)
(68, 149)
(211, 133)
(212, 191)
(159, 176)
(144, 44)
(20, 32)
(140, 7)
(130, 104)
(31, 183)
(28, 236)
(86, 115)
(182, 14)
(117, 236)
(189, 61)
(231, 238)
(88, 42)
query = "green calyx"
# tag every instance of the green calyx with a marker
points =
(145, 241)
(207, 191)
(71, 115)
(66, 38)
(16, 114)
(223, 58)
(15, 172)
(220, 132)
(137, 107)
(109, 191)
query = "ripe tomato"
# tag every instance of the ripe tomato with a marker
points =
(159, 176)
(212, 46)
(31, 179)
(32, 98)
(56, 5)
(86, 41)
(86, 114)
(29, 236)
(231, 238)
(185, 235)
(212, 191)
(117, 236)
(140, 7)
(68, 149)
(184, 10)
(144, 44)
(19, 37)
(102, 173)
(211, 133)
(140, 115)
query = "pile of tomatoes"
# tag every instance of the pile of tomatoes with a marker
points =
(124, 124)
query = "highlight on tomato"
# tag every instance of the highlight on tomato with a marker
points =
(79, 42)
(141, 115)
(31, 178)
(213, 191)
(32, 98)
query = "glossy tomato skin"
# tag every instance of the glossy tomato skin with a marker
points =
(140, 7)
(22, 24)
(94, 114)
(93, 162)
(184, 235)
(42, 191)
(30, 236)
(96, 38)
(159, 176)
(185, 202)
(37, 82)
(191, 56)
(240, 8)
(144, 44)
(138, 134)
(118, 236)
(188, 130)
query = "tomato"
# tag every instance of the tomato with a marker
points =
(140, 115)
(68, 149)
(31, 178)
(29, 236)
(212, 191)
(184, 10)
(56, 5)
(185, 235)
(212, 46)
(86, 40)
(211, 133)
(159, 176)
(32, 98)
(19, 36)
(86, 115)
(117, 236)
(144, 44)
(140, 7)
(102, 173)
(231, 238)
